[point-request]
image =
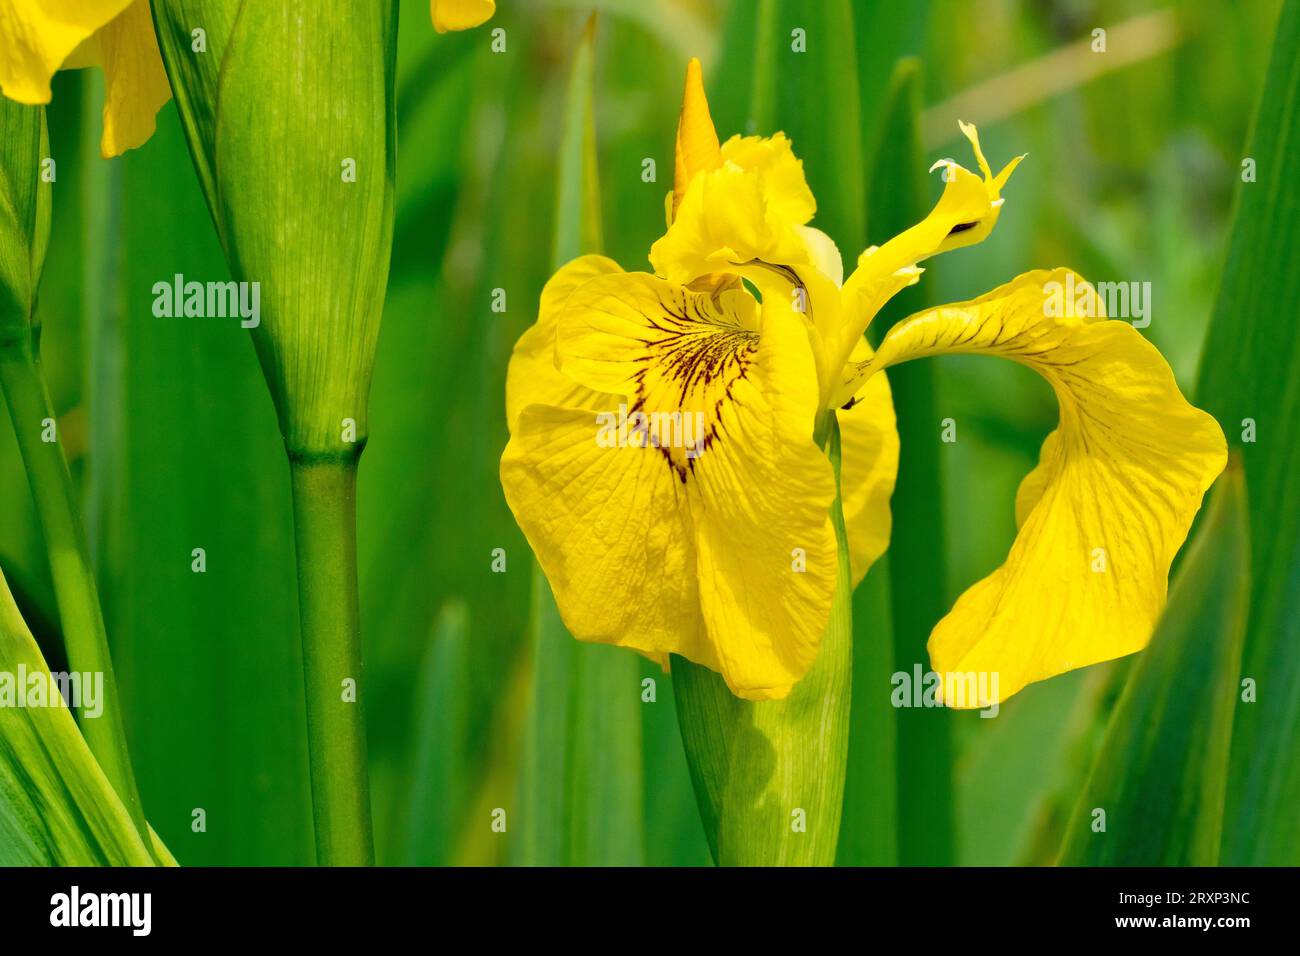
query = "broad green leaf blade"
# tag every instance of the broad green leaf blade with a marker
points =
(769, 775)
(1162, 772)
(186, 455)
(56, 806)
(899, 198)
(1248, 381)
(869, 826)
(439, 785)
(582, 766)
(540, 835)
(806, 84)
(577, 206)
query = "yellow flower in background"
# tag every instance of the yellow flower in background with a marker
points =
(40, 37)
(460, 14)
(696, 520)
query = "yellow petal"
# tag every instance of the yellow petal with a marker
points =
(135, 83)
(607, 529)
(732, 488)
(868, 468)
(460, 14)
(965, 214)
(748, 208)
(37, 36)
(1109, 505)
(697, 141)
(532, 378)
(764, 493)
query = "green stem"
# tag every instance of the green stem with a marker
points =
(80, 615)
(325, 523)
(769, 775)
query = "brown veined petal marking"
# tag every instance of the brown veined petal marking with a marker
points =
(675, 354)
(702, 529)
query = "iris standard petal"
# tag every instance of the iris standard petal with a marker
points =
(1109, 505)
(748, 208)
(697, 148)
(965, 214)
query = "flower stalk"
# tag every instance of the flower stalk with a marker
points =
(324, 513)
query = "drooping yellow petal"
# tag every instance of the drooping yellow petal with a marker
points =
(868, 468)
(37, 36)
(606, 526)
(532, 378)
(697, 141)
(451, 15)
(767, 549)
(1102, 516)
(135, 82)
(722, 465)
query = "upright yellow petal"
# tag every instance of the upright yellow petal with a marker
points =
(1109, 505)
(965, 214)
(37, 36)
(751, 207)
(135, 82)
(697, 141)
(451, 15)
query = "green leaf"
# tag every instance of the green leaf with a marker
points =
(439, 783)
(581, 774)
(24, 212)
(1248, 381)
(805, 83)
(869, 827)
(56, 806)
(186, 455)
(769, 775)
(1162, 772)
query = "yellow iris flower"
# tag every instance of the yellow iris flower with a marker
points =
(715, 541)
(40, 37)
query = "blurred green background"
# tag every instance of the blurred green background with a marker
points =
(1134, 155)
